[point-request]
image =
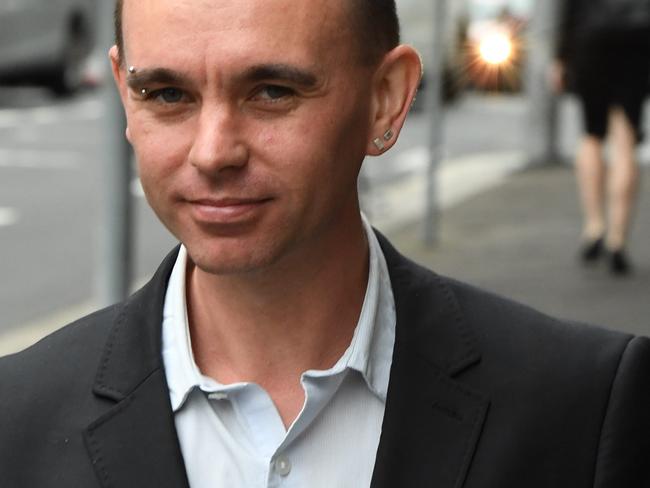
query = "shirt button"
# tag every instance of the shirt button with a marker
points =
(218, 396)
(282, 466)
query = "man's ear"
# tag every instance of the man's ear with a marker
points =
(395, 84)
(119, 75)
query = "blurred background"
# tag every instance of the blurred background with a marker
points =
(480, 185)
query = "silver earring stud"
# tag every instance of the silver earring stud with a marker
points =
(132, 69)
(379, 144)
(388, 135)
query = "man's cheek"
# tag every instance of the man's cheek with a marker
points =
(162, 149)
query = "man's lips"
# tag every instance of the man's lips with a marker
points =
(226, 210)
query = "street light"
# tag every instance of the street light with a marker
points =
(496, 48)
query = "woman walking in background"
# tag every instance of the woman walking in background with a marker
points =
(604, 57)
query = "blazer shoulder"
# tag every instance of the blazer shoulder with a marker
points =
(70, 352)
(499, 330)
(561, 380)
(534, 352)
(46, 403)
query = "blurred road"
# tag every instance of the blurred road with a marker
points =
(50, 196)
(51, 189)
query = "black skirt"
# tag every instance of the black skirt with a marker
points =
(612, 70)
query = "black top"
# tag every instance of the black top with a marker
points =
(594, 24)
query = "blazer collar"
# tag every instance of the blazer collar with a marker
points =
(133, 349)
(135, 442)
(428, 316)
(432, 421)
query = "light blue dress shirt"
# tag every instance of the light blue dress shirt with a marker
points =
(233, 436)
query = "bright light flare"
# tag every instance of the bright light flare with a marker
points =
(496, 48)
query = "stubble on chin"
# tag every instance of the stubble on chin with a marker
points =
(234, 259)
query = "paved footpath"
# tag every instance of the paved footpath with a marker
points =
(520, 240)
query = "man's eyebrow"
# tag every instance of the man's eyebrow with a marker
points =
(280, 72)
(155, 76)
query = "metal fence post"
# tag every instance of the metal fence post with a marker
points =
(542, 102)
(114, 256)
(434, 108)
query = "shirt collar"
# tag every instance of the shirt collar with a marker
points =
(181, 370)
(370, 351)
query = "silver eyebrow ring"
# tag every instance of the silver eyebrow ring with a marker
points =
(132, 69)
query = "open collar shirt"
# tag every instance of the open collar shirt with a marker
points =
(232, 434)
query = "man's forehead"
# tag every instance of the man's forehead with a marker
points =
(256, 16)
(188, 34)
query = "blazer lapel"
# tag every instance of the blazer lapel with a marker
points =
(432, 422)
(134, 443)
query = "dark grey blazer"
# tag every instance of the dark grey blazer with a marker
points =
(483, 393)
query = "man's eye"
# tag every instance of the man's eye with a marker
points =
(166, 95)
(274, 93)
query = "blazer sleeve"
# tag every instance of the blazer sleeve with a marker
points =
(624, 449)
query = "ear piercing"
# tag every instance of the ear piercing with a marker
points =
(379, 143)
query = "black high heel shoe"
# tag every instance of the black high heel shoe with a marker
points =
(619, 264)
(592, 250)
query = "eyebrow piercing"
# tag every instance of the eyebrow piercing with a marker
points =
(132, 69)
(144, 92)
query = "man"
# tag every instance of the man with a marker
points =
(285, 343)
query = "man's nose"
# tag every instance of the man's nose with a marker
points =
(218, 143)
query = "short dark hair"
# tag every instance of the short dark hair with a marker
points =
(377, 27)
(374, 21)
(119, 35)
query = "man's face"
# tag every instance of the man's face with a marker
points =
(252, 125)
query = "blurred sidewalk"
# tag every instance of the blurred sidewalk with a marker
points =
(521, 238)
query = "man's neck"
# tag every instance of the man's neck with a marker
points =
(270, 328)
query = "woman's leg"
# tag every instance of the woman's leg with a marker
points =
(623, 179)
(591, 172)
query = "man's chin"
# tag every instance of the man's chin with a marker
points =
(225, 262)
